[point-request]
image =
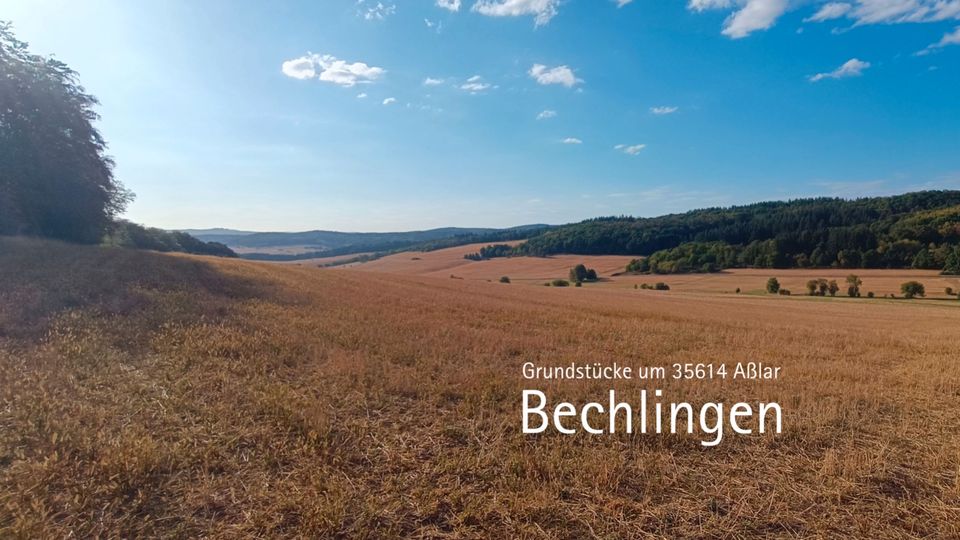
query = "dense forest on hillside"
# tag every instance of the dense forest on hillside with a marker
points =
(918, 230)
(131, 235)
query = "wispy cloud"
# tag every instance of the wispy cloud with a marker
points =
(389, 101)
(328, 68)
(476, 84)
(562, 75)
(545, 114)
(827, 12)
(572, 140)
(864, 12)
(429, 81)
(375, 12)
(631, 149)
(950, 38)
(851, 68)
(621, 3)
(362, 95)
(660, 111)
(541, 10)
(452, 5)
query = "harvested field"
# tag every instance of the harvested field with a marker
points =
(161, 395)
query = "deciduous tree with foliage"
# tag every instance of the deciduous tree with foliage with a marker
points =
(913, 289)
(56, 179)
(773, 285)
(853, 286)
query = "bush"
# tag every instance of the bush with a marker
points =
(784, 292)
(661, 286)
(738, 290)
(560, 283)
(832, 287)
(913, 289)
(645, 286)
(773, 285)
(578, 284)
(504, 279)
(949, 291)
(870, 294)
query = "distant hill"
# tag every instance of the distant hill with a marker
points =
(217, 232)
(918, 230)
(310, 244)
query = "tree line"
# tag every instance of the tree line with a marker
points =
(56, 179)
(913, 230)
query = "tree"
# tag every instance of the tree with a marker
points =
(833, 287)
(853, 285)
(773, 285)
(55, 177)
(912, 289)
(822, 286)
(812, 287)
(952, 264)
(504, 279)
(582, 273)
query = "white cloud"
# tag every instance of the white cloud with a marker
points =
(542, 10)
(833, 10)
(452, 5)
(702, 5)
(362, 95)
(476, 85)
(950, 38)
(750, 15)
(376, 12)
(899, 11)
(889, 11)
(556, 75)
(621, 3)
(631, 149)
(389, 101)
(429, 81)
(664, 110)
(328, 68)
(545, 114)
(850, 68)
(754, 15)
(572, 140)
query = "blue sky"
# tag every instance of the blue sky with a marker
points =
(320, 115)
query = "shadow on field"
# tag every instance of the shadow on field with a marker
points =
(40, 279)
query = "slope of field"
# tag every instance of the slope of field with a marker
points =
(537, 270)
(175, 396)
(450, 261)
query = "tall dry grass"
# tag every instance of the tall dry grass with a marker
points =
(155, 395)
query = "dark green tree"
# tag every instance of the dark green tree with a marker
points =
(55, 177)
(773, 285)
(912, 289)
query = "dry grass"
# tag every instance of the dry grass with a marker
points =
(444, 262)
(143, 394)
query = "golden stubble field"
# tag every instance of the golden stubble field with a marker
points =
(537, 270)
(143, 394)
